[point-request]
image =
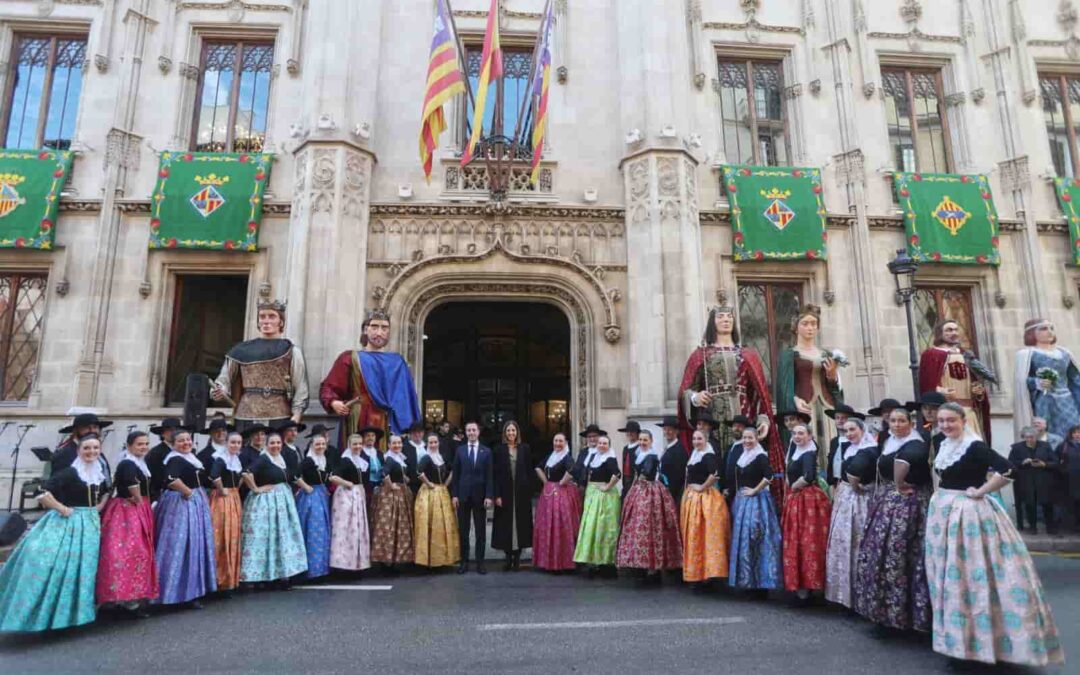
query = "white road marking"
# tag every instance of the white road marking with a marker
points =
(713, 621)
(344, 587)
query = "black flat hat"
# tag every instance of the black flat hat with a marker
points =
(886, 404)
(85, 420)
(289, 424)
(739, 419)
(218, 424)
(803, 417)
(254, 429)
(670, 421)
(933, 398)
(415, 426)
(632, 427)
(170, 424)
(319, 429)
(379, 433)
(592, 429)
(708, 420)
(845, 409)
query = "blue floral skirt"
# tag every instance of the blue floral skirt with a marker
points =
(314, 513)
(184, 549)
(271, 540)
(755, 543)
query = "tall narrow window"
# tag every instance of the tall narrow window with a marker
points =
(1061, 112)
(754, 124)
(515, 94)
(208, 318)
(765, 314)
(234, 97)
(934, 304)
(22, 309)
(46, 79)
(915, 112)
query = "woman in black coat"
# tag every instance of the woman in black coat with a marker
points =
(514, 483)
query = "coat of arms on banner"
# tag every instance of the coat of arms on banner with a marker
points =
(208, 199)
(951, 215)
(10, 199)
(778, 212)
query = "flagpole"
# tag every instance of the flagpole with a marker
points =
(461, 54)
(532, 69)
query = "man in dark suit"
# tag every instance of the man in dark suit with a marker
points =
(219, 434)
(629, 454)
(673, 458)
(447, 443)
(738, 424)
(591, 435)
(65, 455)
(473, 488)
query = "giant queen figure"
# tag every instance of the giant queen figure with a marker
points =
(371, 387)
(1046, 381)
(723, 379)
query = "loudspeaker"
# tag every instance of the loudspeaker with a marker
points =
(196, 399)
(12, 525)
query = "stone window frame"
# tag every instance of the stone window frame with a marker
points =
(51, 266)
(10, 29)
(164, 267)
(1071, 75)
(190, 73)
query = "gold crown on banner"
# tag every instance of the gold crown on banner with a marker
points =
(775, 193)
(11, 178)
(212, 179)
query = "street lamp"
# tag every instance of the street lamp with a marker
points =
(903, 268)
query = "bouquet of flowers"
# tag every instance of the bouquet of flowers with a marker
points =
(840, 358)
(1047, 374)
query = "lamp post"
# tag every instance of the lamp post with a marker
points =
(903, 268)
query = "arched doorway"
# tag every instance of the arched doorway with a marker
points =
(496, 361)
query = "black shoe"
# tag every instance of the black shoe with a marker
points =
(480, 569)
(508, 564)
(463, 567)
(195, 604)
(517, 561)
(141, 613)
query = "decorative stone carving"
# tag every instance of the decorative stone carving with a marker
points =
(122, 148)
(1015, 174)
(850, 169)
(910, 11)
(474, 178)
(1067, 16)
(164, 64)
(323, 178)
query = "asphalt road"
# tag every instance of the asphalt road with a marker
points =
(524, 622)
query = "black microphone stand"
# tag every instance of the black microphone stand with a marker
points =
(25, 429)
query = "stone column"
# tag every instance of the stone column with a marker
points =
(328, 226)
(663, 234)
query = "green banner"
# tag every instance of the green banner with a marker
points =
(209, 200)
(777, 213)
(30, 185)
(949, 218)
(1068, 192)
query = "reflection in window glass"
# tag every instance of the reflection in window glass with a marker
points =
(47, 82)
(915, 117)
(753, 123)
(516, 92)
(234, 97)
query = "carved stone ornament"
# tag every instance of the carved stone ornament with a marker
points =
(1067, 16)
(911, 11)
(399, 273)
(1068, 300)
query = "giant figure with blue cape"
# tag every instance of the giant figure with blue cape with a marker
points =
(371, 387)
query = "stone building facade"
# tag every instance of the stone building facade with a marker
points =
(627, 232)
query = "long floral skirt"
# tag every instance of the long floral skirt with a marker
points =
(184, 547)
(849, 511)
(988, 603)
(226, 513)
(754, 560)
(706, 531)
(891, 569)
(126, 570)
(48, 582)
(558, 517)
(598, 535)
(350, 543)
(650, 538)
(313, 510)
(393, 540)
(435, 529)
(272, 543)
(806, 538)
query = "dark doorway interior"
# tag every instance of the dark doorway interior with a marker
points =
(499, 361)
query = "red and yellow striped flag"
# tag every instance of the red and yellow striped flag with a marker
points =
(444, 80)
(491, 68)
(540, 90)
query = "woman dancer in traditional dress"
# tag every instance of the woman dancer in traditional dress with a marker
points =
(393, 540)
(350, 540)
(558, 513)
(805, 518)
(435, 528)
(272, 543)
(184, 548)
(127, 575)
(988, 602)
(48, 582)
(754, 560)
(313, 507)
(226, 510)
(705, 522)
(598, 536)
(891, 586)
(511, 528)
(850, 506)
(650, 540)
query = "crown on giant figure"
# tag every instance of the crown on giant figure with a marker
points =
(722, 309)
(377, 313)
(276, 305)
